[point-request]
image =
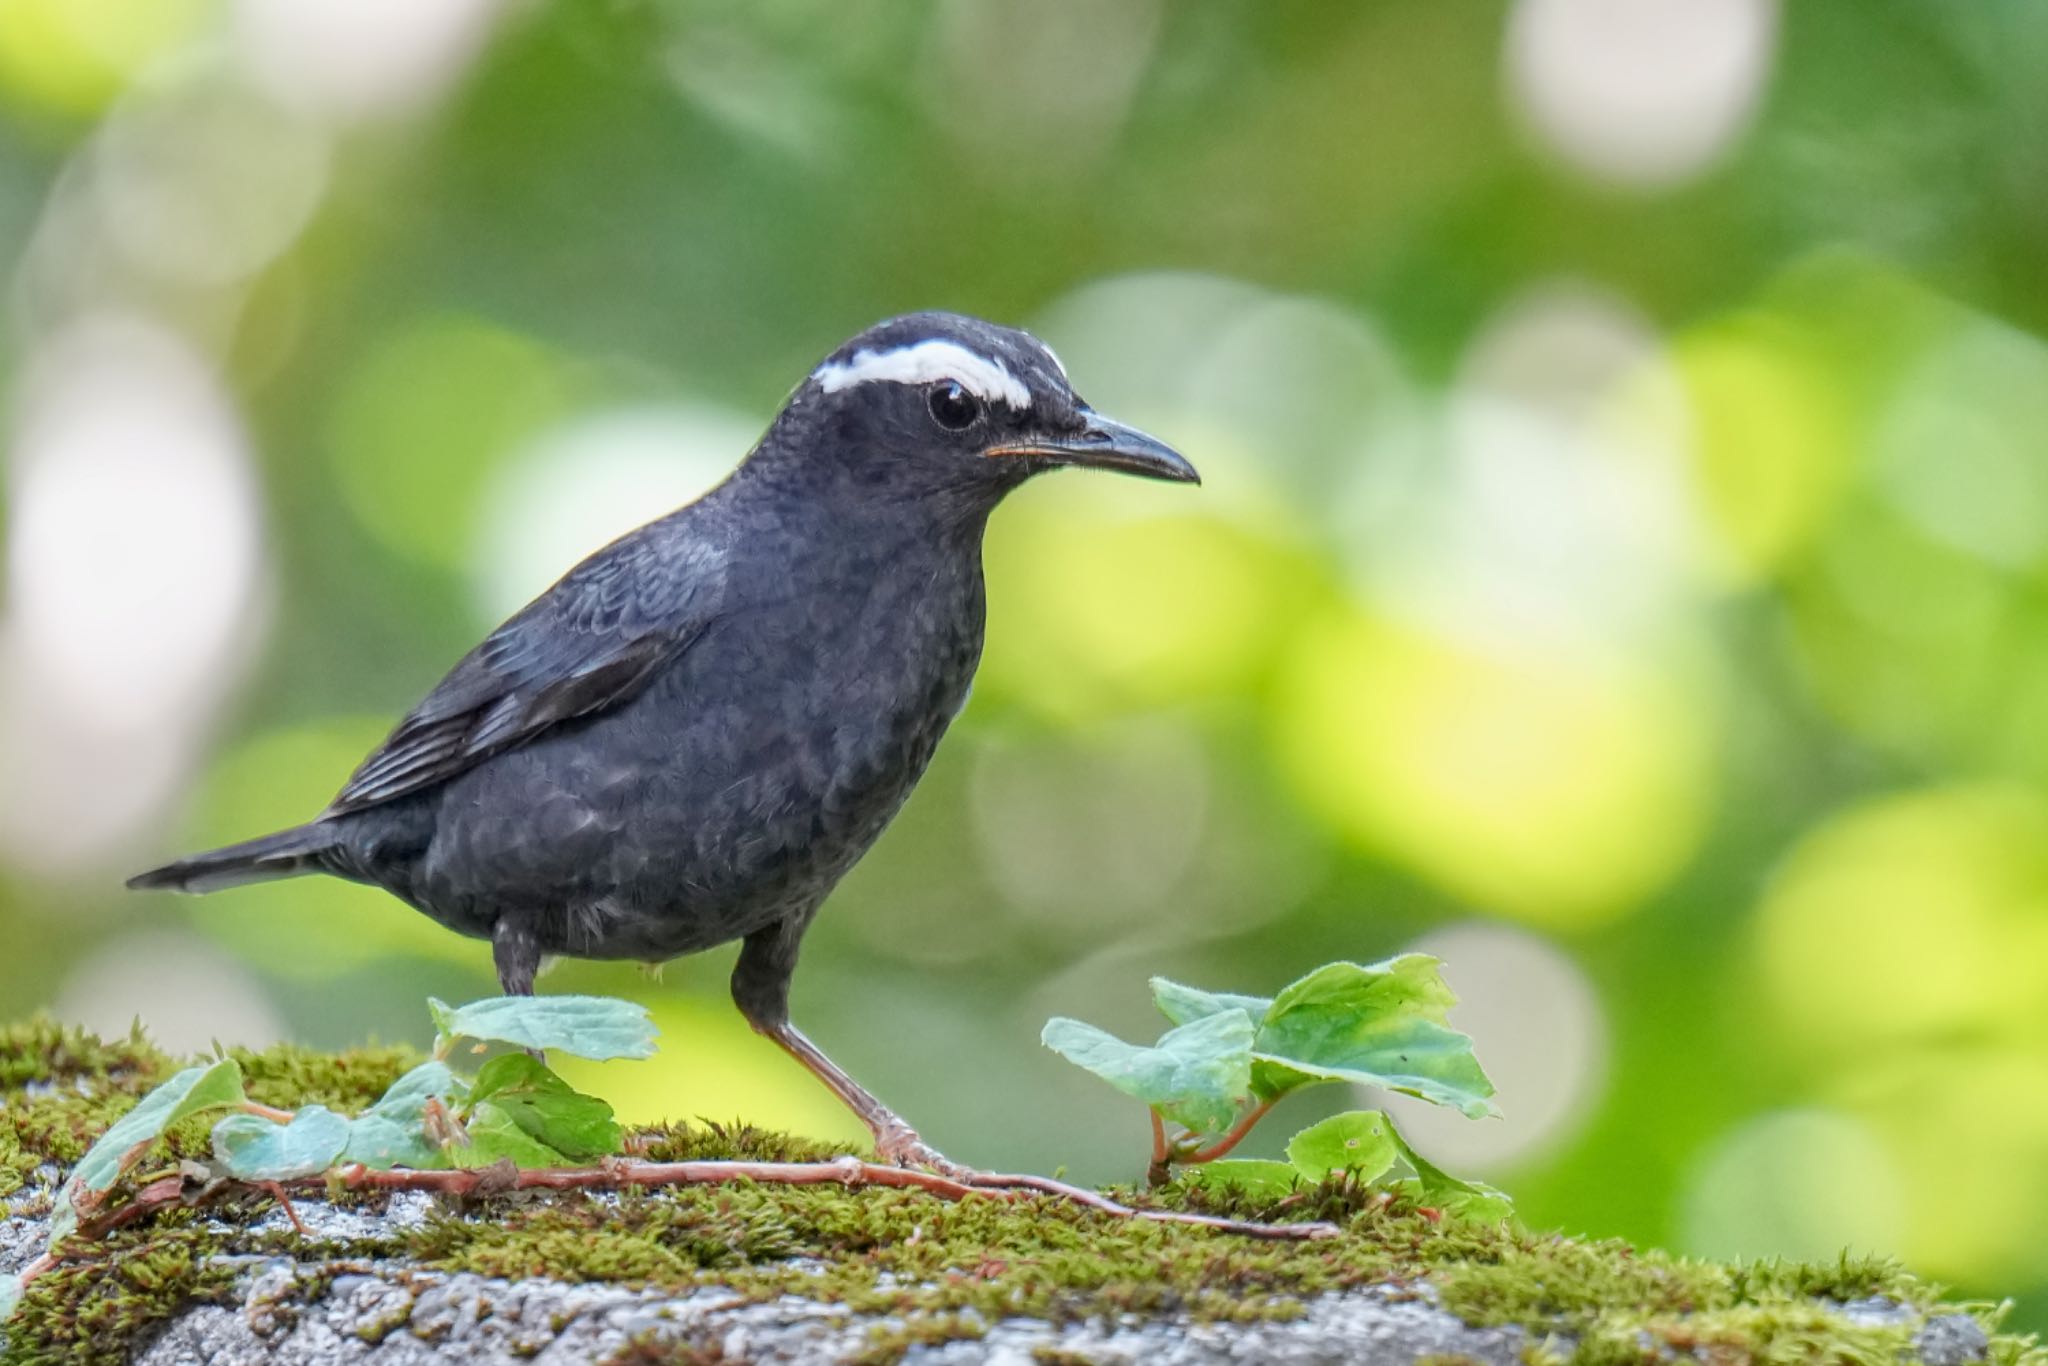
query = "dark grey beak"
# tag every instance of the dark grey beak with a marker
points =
(1106, 444)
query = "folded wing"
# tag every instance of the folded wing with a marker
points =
(588, 643)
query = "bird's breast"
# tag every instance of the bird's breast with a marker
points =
(805, 724)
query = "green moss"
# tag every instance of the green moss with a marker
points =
(101, 1305)
(738, 1141)
(935, 1270)
(289, 1076)
(42, 1050)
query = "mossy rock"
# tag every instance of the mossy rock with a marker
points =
(817, 1273)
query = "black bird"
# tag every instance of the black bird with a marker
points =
(693, 735)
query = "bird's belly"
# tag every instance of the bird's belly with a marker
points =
(694, 814)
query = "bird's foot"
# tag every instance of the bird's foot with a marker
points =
(900, 1146)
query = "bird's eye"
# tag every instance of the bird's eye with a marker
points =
(953, 407)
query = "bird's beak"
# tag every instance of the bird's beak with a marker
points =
(1106, 444)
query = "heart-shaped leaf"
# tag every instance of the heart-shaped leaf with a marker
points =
(381, 1142)
(1196, 1075)
(211, 1086)
(252, 1148)
(1359, 1143)
(494, 1135)
(596, 1027)
(10, 1295)
(393, 1132)
(408, 1096)
(546, 1107)
(1184, 1004)
(1380, 1025)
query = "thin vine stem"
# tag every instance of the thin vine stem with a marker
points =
(1233, 1138)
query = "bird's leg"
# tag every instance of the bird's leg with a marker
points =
(760, 987)
(895, 1140)
(516, 955)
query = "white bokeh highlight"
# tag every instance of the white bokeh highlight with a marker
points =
(188, 994)
(1962, 450)
(1644, 93)
(1804, 1183)
(134, 569)
(362, 58)
(582, 484)
(200, 181)
(1267, 393)
(1558, 509)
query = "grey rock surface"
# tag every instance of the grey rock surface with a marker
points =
(389, 1315)
(390, 1312)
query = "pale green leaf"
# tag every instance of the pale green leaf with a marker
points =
(596, 1027)
(494, 1135)
(1196, 1075)
(547, 1108)
(10, 1295)
(252, 1148)
(1379, 1025)
(393, 1132)
(382, 1142)
(1359, 1143)
(1253, 1176)
(1184, 1004)
(408, 1096)
(193, 1091)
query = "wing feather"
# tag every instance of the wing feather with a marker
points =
(588, 643)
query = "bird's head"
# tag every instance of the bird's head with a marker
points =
(948, 402)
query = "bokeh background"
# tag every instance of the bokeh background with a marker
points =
(1622, 568)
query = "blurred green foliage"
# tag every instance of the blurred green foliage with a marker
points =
(1638, 576)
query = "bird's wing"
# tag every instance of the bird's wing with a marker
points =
(591, 641)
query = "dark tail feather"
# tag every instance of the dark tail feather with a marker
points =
(285, 854)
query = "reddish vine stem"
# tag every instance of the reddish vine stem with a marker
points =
(1161, 1169)
(1234, 1137)
(1045, 1185)
(269, 1112)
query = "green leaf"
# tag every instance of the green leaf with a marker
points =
(1196, 1074)
(1438, 1187)
(494, 1135)
(1185, 1004)
(253, 1148)
(546, 1107)
(596, 1027)
(10, 1296)
(408, 1096)
(1358, 1142)
(1251, 1176)
(195, 1090)
(1383, 1025)
(190, 1092)
(382, 1142)
(393, 1132)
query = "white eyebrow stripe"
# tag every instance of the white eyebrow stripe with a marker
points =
(923, 363)
(1054, 357)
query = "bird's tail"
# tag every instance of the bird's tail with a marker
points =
(285, 854)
